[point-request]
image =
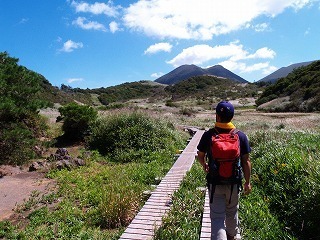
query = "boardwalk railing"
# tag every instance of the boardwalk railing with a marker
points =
(149, 218)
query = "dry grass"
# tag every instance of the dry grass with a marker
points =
(246, 120)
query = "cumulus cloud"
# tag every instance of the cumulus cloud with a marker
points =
(263, 53)
(97, 8)
(261, 27)
(157, 75)
(243, 67)
(88, 25)
(268, 70)
(70, 45)
(201, 19)
(71, 80)
(158, 47)
(24, 20)
(232, 56)
(200, 54)
(114, 27)
(307, 32)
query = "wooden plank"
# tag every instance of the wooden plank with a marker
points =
(150, 216)
(206, 221)
(138, 236)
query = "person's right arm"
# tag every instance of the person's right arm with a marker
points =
(202, 161)
(246, 165)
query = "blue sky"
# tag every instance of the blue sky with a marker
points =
(92, 44)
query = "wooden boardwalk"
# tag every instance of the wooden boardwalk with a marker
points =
(206, 222)
(149, 218)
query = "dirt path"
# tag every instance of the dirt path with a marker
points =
(16, 187)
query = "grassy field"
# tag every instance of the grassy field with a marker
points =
(285, 178)
(99, 200)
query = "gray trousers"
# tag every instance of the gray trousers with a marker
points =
(224, 214)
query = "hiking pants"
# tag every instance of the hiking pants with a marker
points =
(224, 212)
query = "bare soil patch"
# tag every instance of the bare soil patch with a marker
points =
(16, 186)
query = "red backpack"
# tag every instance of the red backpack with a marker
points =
(225, 150)
(224, 159)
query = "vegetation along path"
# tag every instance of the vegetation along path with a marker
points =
(150, 216)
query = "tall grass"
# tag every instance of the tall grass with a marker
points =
(184, 219)
(286, 180)
(284, 203)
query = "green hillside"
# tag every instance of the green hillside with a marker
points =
(201, 87)
(127, 91)
(209, 87)
(299, 91)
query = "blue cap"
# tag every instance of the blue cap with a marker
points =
(225, 109)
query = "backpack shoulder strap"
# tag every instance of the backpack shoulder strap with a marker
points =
(214, 131)
(234, 131)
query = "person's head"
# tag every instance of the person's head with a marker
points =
(224, 112)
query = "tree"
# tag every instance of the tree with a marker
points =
(19, 121)
(18, 90)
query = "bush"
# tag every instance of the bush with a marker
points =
(131, 137)
(16, 142)
(76, 120)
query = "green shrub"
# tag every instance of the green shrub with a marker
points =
(76, 120)
(170, 103)
(187, 111)
(16, 142)
(131, 137)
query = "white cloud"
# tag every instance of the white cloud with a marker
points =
(307, 32)
(114, 27)
(200, 54)
(158, 47)
(23, 20)
(232, 56)
(88, 25)
(157, 75)
(243, 67)
(71, 80)
(255, 67)
(70, 45)
(97, 8)
(261, 27)
(201, 19)
(263, 53)
(268, 70)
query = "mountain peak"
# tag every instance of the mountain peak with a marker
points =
(184, 72)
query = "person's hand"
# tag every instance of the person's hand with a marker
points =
(206, 167)
(247, 188)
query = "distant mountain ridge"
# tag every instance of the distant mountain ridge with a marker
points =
(297, 92)
(283, 72)
(187, 71)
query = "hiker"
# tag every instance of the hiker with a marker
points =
(224, 176)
